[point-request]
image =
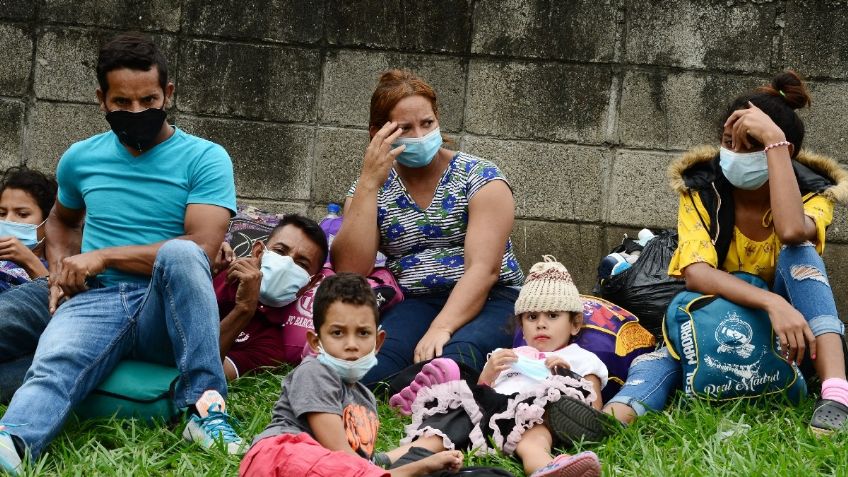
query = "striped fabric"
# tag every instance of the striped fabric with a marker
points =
(425, 248)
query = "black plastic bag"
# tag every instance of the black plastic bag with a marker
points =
(645, 289)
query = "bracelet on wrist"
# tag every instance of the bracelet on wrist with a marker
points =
(776, 144)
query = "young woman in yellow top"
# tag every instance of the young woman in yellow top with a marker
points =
(758, 204)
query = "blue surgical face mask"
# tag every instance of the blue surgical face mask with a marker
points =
(419, 151)
(747, 170)
(26, 233)
(532, 368)
(281, 279)
(349, 371)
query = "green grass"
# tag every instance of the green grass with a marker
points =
(689, 439)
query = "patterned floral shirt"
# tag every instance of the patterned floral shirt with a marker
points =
(746, 255)
(424, 248)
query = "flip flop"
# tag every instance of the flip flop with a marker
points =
(584, 464)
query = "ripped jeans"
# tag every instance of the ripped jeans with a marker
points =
(800, 278)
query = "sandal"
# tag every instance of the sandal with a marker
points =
(828, 416)
(575, 421)
(584, 464)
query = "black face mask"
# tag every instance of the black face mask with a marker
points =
(137, 130)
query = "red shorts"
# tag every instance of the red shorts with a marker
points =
(262, 344)
(300, 455)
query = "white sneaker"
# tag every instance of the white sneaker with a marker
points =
(10, 461)
(213, 427)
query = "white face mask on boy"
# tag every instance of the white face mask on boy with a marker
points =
(349, 371)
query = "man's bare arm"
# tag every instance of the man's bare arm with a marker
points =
(204, 224)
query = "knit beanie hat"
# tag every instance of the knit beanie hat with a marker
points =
(548, 287)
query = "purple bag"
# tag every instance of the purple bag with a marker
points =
(250, 225)
(383, 284)
(614, 335)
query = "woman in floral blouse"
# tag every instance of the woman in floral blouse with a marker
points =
(443, 219)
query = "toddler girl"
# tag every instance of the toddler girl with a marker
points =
(452, 408)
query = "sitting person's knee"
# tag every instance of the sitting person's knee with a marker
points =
(180, 250)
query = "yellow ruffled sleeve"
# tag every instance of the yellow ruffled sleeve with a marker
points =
(694, 244)
(820, 209)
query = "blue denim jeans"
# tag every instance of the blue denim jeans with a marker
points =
(406, 323)
(23, 317)
(800, 278)
(173, 320)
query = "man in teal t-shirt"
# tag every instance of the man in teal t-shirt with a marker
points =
(135, 281)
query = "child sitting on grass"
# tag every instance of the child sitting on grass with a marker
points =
(325, 422)
(454, 409)
(26, 197)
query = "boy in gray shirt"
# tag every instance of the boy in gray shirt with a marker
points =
(325, 422)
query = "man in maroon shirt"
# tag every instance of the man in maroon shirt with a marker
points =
(264, 313)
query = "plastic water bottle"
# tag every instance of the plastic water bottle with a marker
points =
(381, 260)
(330, 224)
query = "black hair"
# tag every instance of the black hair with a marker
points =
(779, 100)
(40, 186)
(310, 228)
(135, 51)
(346, 287)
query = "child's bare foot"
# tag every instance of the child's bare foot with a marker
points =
(445, 460)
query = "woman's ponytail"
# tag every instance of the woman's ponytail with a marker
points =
(789, 87)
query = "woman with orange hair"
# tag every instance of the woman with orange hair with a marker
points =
(443, 219)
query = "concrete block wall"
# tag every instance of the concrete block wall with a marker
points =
(583, 103)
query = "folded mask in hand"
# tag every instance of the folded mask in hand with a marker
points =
(532, 368)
